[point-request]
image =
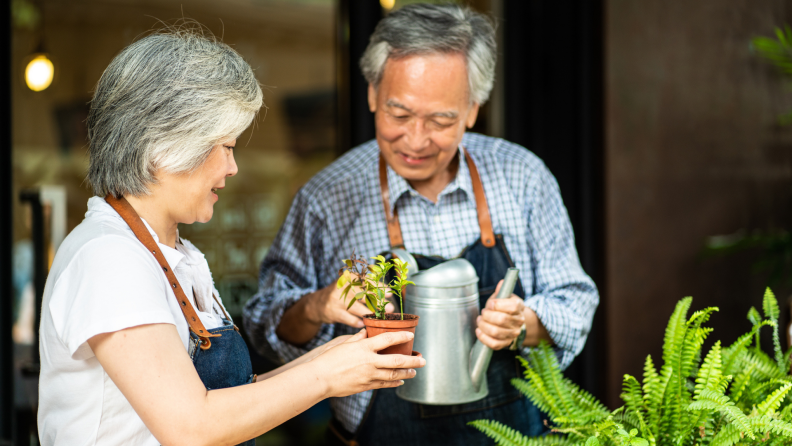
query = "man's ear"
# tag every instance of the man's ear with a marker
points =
(372, 98)
(472, 115)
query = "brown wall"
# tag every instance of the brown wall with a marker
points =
(692, 150)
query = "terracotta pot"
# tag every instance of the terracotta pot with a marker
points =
(393, 322)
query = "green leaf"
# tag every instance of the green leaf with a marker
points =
(369, 303)
(345, 292)
(592, 441)
(754, 316)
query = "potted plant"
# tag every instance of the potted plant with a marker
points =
(369, 284)
(736, 395)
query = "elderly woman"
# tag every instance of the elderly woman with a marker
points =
(136, 346)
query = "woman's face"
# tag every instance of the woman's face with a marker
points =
(191, 196)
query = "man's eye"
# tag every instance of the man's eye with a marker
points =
(443, 124)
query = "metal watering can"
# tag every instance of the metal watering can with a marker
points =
(446, 298)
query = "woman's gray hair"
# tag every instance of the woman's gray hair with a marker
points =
(163, 103)
(427, 29)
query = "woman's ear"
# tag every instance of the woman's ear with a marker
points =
(472, 115)
(372, 98)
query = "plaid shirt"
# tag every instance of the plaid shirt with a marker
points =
(340, 209)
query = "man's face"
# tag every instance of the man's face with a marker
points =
(421, 109)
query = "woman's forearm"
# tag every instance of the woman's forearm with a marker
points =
(244, 412)
(153, 371)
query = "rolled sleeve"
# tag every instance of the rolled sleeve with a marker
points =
(565, 297)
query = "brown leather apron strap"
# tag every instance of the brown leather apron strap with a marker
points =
(394, 229)
(131, 217)
(482, 209)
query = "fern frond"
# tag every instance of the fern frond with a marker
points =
(709, 375)
(770, 405)
(675, 330)
(534, 390)
(544, 360)
(753, 316)
(636, 406)
(764, 367)
(770, 305)
(710, 400)
(740, 382)
(506, 436)
(732, 354)
(761, 424)
(651, 382)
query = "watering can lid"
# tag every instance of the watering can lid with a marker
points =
(450, 274)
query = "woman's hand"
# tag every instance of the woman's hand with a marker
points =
(353, 366)
(308, 357)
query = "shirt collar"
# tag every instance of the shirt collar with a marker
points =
(398, 186)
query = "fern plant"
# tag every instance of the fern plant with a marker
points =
(736, 395)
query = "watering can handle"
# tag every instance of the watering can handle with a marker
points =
(480, 354)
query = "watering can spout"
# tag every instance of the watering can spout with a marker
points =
(480, 354)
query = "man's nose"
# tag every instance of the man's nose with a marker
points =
(417, 135)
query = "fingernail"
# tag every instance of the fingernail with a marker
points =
(423, 361)
(410, 335)
(412, 371)
(401, 381)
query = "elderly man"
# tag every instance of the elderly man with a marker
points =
(427, 186)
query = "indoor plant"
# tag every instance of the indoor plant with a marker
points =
(370, 286)
(736, 395)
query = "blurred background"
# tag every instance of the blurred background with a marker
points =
(662, 121)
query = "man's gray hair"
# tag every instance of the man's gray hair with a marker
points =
(418, 29)
(163, 103)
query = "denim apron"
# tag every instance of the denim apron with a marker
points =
(392, 421)
(220, 355)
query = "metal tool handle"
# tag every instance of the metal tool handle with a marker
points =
(480, 354)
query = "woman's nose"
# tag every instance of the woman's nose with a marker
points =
(232, 166)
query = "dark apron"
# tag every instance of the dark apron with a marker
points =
(220, 355)
(390, 420)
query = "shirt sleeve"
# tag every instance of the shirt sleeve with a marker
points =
(288, 272)
(565, 297)
(110, 285)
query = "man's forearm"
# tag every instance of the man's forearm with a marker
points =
(535, 331)
(296, 326)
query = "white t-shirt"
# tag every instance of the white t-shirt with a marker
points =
(104, 280)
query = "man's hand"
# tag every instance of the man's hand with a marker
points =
(326, 307)
(302, 321)
(501, 320)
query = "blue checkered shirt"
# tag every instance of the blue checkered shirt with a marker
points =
(340, 210)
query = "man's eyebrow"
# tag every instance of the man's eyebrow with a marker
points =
(446, 114)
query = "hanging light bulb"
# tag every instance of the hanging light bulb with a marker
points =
(388, 4)
(39, 72)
